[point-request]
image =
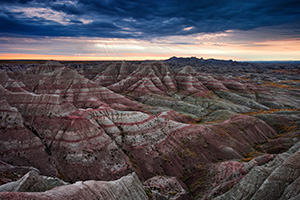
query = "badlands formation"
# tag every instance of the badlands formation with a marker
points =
(175, 129)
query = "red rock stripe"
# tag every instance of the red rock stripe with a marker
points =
(73, 141)
(42, 103)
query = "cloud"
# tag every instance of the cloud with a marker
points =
(230, 44)
(44, 13)
(94, 29)
(142, 18)
(188, 28)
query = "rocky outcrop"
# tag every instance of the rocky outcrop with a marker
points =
(9, 116)
(127, 188)
(101, 122)
(160, 146)
(202, 89)
(11, 84)
(109, 143)
(9, 173)
(30, 104)
(162, 187)
(32, 182)
(274, 180)
(214, 179)
(18, 144)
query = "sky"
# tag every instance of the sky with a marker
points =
(144, 29)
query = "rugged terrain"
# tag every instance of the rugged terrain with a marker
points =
(187, 128)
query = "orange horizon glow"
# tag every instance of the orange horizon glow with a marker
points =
(129, 57)
(91, 58)
(222, 45)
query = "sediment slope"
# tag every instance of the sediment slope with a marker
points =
(146, 118)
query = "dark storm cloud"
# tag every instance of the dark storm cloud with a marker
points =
(141, 18)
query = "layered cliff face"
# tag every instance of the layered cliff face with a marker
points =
(38, 187)
(278, 179)
(145, 118)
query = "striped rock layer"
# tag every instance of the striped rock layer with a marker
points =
(128, 118)
(278, 179)
(127, 188)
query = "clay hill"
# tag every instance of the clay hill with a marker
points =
(184, 128)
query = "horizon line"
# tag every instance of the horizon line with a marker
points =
(95, 60)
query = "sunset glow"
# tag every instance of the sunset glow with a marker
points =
(89, 30)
